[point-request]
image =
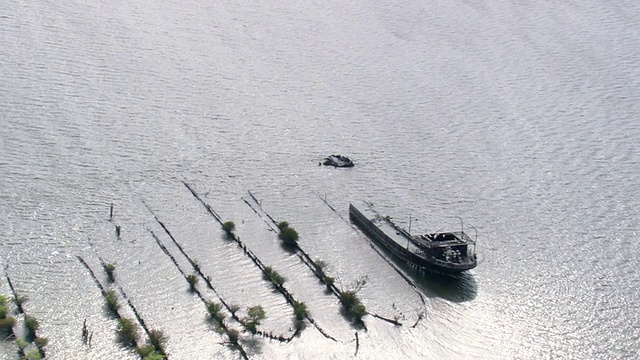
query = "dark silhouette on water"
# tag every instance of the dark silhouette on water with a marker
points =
(338, 161)
(449, 253)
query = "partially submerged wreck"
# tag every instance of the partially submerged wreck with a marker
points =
(448, 253)
(338, 161)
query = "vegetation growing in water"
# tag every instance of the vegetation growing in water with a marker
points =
(32, 325)
(320, 266)
(273, 276)
(111, 299)
(155, 347)
(214, 310)
(255, 315)
(193, 280)
(7, 324)
(158, 340)
(300, 310)
(127, 332)
(289, 236)
(147, 352)
(33, 354)
(109, 268)
(328, 280)
(41, 342)
(350, 301)
(352, 304)
(3, 307)
(228, 227)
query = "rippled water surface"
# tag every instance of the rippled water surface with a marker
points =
(520, 118)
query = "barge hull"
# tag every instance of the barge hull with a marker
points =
(398, 242)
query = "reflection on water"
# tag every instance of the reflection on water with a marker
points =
(460, 288)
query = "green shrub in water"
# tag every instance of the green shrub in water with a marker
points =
(32, 325)
(228, 227)
(111, 299)
(109, 269)
(300, 310)
(127, 332)
(7, 324)
(192, 280)
(289, 236)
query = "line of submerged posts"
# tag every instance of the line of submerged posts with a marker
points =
(255, 314)
(30, 346)
(348, 298)
(213, 308)
(127, 329)
(155, 348)
(352, 305)
(299, 308)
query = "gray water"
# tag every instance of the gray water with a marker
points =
(521, 118)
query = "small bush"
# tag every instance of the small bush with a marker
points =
(32, 325)
(358, 311)
(300, 310)
(283, 225)
(41, 342)
(348, 298)
(3, 311)
(255, 315)
(7, 324)
(251, 327)
(228, 227)
(111, 299)
(127, 332)
(109, 268)
(3, 300)
(273, 276)
(158, 340)
(154, 356)
(320, 266)
(289, 236)
(145, 350)
(352, 304)
(22, 344)
(214, 310)
(33, 354)
(193, 280)
(328, 280)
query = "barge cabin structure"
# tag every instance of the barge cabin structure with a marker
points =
(448, 253)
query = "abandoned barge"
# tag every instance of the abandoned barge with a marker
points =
(448, 253)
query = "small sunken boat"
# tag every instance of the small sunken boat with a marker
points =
(448, 253)
(338, 161)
